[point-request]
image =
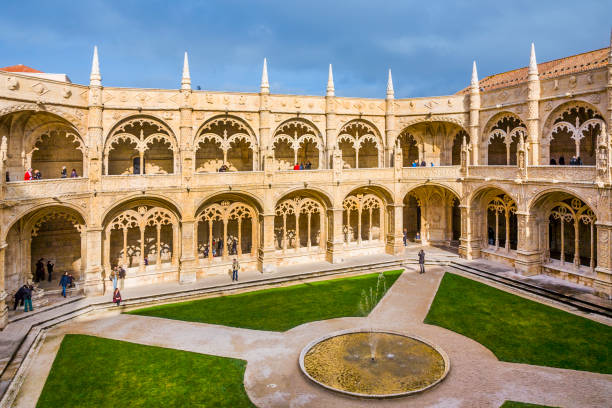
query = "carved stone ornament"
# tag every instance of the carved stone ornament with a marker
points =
(12, 83)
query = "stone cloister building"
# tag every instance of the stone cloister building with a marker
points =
(149, 195)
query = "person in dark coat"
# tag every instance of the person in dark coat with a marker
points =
(50, 269)
(64, 172)
(117, 296)
(220, 247)
(422, 261)
(40, 271)
(73, 173)
(553, 162)
(561, 161)
(19, 296)
(27, 298)
(405, 237)
(423, 163)
(235, 247)
(64, 282)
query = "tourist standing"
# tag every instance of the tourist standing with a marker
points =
(116, 296)
(27, 298)
(50, 269)
(405, 237)
(235, 268)
(64, 282)
(64, 173)
(37, 175)
(113, 278)
(74, 174)
(40, 271)
(121, 276)
(422, 261)
(28, 174)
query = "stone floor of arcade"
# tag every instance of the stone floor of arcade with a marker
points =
(238, 345)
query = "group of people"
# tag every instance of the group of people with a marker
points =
(37, 175)
(423, 164)
(23, 296)
(117, 273)
(217, 247)
(303, 166)
(39, 274)
(574, 161)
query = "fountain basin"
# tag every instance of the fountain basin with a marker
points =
(374, 364)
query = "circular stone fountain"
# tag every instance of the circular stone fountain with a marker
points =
(374, 364)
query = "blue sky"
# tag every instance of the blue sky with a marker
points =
(429, 45)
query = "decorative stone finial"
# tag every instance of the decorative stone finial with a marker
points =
(265, 85)
(390, 91)
(330, 82)
(186, 79)
(474, 82)
(95, 79)
(533, 65)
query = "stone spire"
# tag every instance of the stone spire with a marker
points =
(265, 85)
(330, 82)
(533, 65)
(390, 91)
(94, 78)
(186, 79)
(474, 82)
(610, 50)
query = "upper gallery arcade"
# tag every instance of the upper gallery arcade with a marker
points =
(147, 191)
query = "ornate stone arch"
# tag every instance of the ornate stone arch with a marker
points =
(573, 129)
(363, 203)
(73, 120)
(225, 130)
(503, 131)
(224, 211)
(296, 132)
(141, 131)
(358, 132)
(293, 208)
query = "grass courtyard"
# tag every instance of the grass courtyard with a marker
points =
(520, 330)
(94, 372)
(278, 309)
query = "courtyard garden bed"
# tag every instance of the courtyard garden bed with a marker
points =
(519, 330)
(95, 372)
(278, 309)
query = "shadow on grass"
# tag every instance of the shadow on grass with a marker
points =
(519, 330)
(95, 372)
(277, 309)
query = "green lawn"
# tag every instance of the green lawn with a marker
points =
(278, 309)
(519, 330)
(515, 404)
(95, 372)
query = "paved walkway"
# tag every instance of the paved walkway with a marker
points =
(273, 379)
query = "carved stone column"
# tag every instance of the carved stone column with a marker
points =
(188, 265)
(335, 237)
(395, 235)
(94, 280)
(3, 294)
(603, 271)
(528, 252)
(469, 247)
(266, 260)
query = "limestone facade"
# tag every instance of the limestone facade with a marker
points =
(148, 194)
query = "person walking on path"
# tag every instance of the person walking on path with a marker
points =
(27, 298)
(19, 296)
(50, 269)
(235, 268)
(64, 281)
(422, 261)
(117, 296)
(405, 237)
